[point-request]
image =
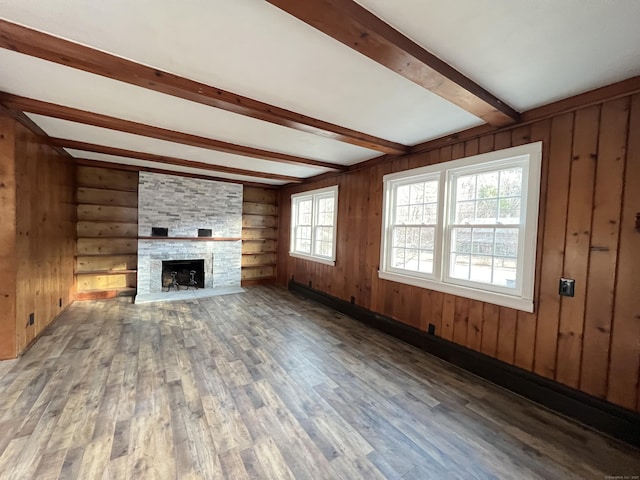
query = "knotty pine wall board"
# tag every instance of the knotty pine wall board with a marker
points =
(586, 230)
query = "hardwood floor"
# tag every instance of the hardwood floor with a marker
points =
(267, 385)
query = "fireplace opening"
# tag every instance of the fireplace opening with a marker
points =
(159, 231)
(182, 274)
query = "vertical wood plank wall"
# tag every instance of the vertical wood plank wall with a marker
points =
(590, 197)
(8, 260)
(39, 215)
(259, 235)
(107, 229)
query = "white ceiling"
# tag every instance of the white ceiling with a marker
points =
(526, 53)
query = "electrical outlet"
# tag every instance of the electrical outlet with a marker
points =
(353, 299)
(60, 302)
(567, 287)
(431, 330)
(32, 318)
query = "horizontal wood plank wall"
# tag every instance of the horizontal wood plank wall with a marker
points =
(107, 230)
(45, 235)
(590, 198)
(259, 235)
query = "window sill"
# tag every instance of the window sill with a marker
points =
(517, 303)
(324, 261)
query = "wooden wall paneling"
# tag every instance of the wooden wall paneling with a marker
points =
(549, 340)
(552, 246)
(259, 233)
(461, 320)
(527, 322)
(106, 282)
(507, 331)
(259, 221)
(577, 243)
(448, 307)
(259, 208)
(490, 313)
(99, 196)
(8, 262)
(45, 233)
(624, 367)
(105, 178)
(259, 195)
(105, 213)
(475, 316)
(106, 263)
(259, 260)
(260, 225)
(106, 229)
(107, 246)
(376, 175)
(507, 318)
(603, 254)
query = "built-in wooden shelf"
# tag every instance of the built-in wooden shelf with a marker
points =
(107, 272)
(108, 221)
(195, 239)
(105, 254)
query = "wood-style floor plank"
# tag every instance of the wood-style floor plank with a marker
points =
(268, 385)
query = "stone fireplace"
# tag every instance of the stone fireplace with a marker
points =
(188, 208)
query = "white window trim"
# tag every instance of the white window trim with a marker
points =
(313, 195)
(531, 154)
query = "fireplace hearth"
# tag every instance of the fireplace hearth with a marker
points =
(182, 274)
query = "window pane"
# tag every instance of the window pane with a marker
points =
(417, 193)
(399, 237)
(427, 238)
(486, 211)
(431, 191)
(415, 214)
(402, 215)
(509, 210)
(511, 182)
(466, 188)
(505, 271)
(413, 237)
(426, 262)
(461, 240)
(465, 212)
(487, 185)
(397, 257)
(411, 257)
(430, 214)
(403, 195)
(481, 268)
(460, 266)
(482, 241)
(506, 242)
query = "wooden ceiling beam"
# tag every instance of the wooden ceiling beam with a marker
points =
(47, 47)
(359, 29)
(15, 102)
(90, 147)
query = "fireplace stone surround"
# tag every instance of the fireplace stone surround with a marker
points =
(185, 206)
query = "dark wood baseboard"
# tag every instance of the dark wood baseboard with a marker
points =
(603, 416)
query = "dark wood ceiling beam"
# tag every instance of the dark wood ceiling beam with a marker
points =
(47, 47)
(39, 107)
(356, 27)
(90, 147)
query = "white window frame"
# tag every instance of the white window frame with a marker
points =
(315, 196)
(529, 157)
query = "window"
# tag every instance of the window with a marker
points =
(313, 225)
(466, 227)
